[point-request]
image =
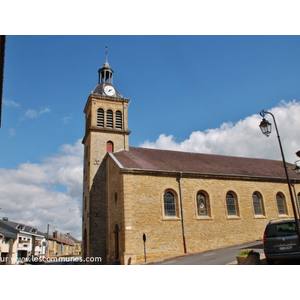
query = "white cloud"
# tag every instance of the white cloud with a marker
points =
(10, 103)
(51, 191)
(11, 132)
(32, 113)
(32, 193)
(244, 138)
(66, 120)
(45, 110)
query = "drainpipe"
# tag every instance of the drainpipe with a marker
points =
(181, 208)
(296, 197)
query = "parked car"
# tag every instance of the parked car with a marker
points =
(281, 240)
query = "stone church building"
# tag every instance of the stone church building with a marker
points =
(152, 203)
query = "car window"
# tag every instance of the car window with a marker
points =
(284, 229)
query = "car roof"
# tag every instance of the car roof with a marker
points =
(282, 220)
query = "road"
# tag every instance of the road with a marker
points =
(216, 257)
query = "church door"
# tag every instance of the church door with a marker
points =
(116, 232)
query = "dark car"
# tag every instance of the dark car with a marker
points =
(281, 240)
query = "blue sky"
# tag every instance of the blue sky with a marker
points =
(177, 84)
(189, 93)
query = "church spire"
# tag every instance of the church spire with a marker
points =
(106, 72)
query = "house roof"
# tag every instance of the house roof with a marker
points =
(7, 231)
(10, 225)
(59, 240)
(198, 163)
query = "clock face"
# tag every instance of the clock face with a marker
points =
(109, 90)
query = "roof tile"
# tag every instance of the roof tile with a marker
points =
(186, 162)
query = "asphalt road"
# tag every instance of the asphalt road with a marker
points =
(216, 257)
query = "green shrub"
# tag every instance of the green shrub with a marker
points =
(245, 253)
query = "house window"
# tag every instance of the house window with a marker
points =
(100, 117)
(202, 204)
(118, 119)
(281, 204)
(169, 204)
(257, 204)
(231, 203)
(109, 118)
(299, 200)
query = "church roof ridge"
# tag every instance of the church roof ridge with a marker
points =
(200, 163)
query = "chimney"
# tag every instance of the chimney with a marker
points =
(5, 218)
(55, 234)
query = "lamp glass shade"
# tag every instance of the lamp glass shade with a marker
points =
(297, 167)
(265, 127)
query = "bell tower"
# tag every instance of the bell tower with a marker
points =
(106, 130)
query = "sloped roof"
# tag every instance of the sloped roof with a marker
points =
(198, 163)
(99, 90)
(7, 231)
(14, 226)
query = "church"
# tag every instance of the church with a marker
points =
(145, 204)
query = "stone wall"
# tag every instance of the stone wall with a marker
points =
(143, 208)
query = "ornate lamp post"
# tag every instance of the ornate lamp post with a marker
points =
(297, 167)
(265, 127)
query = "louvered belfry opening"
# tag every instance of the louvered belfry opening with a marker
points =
(100, 117)
(118, 120)
(109, 118)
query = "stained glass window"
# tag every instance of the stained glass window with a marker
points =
(257, 204)
(202, 205)
(231, 205)
(281, 204)
(169, 204)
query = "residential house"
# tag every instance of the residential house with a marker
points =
(76, 250)
(23, 241)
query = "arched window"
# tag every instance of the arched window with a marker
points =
(281, 204)
(231, 203)
(202, 204)
(109, 146)
(109, 118)
(169, 204)
(257, 204)
(100, 117)
(118, 119)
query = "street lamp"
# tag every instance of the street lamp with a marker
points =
(297, 167)
(265, 127)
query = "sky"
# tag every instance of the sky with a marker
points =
(195, 93)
